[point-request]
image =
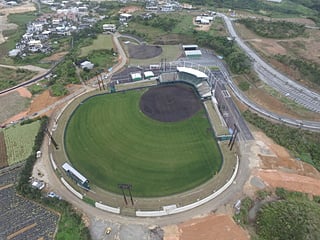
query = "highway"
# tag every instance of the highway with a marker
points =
(275, 79)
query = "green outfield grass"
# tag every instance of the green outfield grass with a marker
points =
(110, 141)
(20, 140)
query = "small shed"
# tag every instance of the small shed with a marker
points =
(136, 76)
(189, 47)
(148, 74)
(193, 53)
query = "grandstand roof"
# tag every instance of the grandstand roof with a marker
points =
(67, 167)
(192, 71)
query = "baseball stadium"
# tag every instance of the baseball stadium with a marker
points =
(154, 138)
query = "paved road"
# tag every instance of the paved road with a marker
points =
(275, 79)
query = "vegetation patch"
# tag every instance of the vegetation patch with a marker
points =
(294, 216)
(19, 141)
(280, 214)
(273, 29)
(303, 144)
(110, 141)
(308, 70)
(11, 77)
(244, 86)
(102, 42)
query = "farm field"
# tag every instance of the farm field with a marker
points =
(110, 141)
(19, 141)
(3, 151)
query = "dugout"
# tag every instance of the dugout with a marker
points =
(75, 175)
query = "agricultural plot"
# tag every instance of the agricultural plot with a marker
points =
(19, 141)
(3, 151)
(110, 141)
(12, 104)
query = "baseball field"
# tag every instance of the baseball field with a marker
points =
(159, 140)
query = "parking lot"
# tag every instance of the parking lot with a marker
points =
(21, 218)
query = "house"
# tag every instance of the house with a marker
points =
(37, 184)
(204, 19)
(55, 21)
(125, 17)
(35, 43)
(109, 27)
(167, 8)
(87, 65)
(151, 7)
(12, 3)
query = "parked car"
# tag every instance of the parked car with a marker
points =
(53, 195)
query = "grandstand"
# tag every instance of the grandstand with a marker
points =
(192, 76)
(76, 176)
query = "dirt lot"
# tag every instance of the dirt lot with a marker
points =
(36, 103)
(218, 227)
(143, 51)
(130, 9)
(279, 169)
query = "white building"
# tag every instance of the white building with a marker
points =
(87, 65)
(109, 27)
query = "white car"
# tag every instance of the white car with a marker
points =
(53, 195)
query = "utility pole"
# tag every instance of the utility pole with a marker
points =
(123, 186)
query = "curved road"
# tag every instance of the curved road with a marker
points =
(283, 84)
(275, 79)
